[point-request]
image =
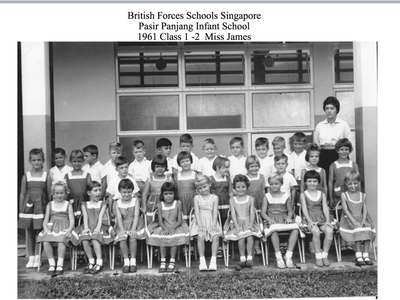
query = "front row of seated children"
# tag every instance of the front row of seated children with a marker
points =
(169, 230)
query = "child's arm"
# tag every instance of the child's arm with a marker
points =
(22, 193)
(165, 229)
(145, 193)
(302, 180)
(330, 185)
(326, 210)
(85, 219)
(230, 188)
(197, 215)
(178, 221)
(264, 214)
(71, 221)
(292, 194)
(48, 181)
(290, 212)
(346, 211)
(103, 187)
(100, 221)
(323, 183)
(133, 232)
(305, 211)
(46, 219)
(233, 216)
(365, 212)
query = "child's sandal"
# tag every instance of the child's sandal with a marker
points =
(163, 267)
(360, 262)
(59, 272)
(368, 261)
(171, 266)
(88, 268)
(51, 270)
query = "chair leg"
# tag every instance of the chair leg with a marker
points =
(336, 240)
(374, 248)
(40, 256)
(141, 251)
(189, 250)
(262, 252)
(226, 253)
(186, 256)
(266, 251)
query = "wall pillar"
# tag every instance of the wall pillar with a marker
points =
(366, 96)
(36, 100)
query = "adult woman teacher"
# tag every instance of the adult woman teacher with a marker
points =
(328, 132)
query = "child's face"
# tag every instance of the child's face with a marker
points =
(209, 150)
(77, 163)
(114, 153)
(313, 158)
(343, 152)
(186, 146)
(89, 158)
(126, 194)
(168, 196)
(278, 148)
(59, 160)
(274, 185)
(159, 170)
(95, 193)
(122, 170)
(204, 189)
(139, 153)
(237, 149)
(59, 194)
(352, 185)
(36, 161)
(312, 183)
(240, 188)
(254, 168)
(165, 150)
(298, 146)
(281, 165)
(224, 170)
(262, 151)
(185, 164)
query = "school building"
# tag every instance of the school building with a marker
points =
(72, 94)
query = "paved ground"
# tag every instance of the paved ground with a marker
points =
(347, 263)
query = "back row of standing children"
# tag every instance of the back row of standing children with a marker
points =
(148, 177)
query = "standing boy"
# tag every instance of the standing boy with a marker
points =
(266, 162)
(93, 166)
(279, 146)
(237, 159)
(289, 183)
(140, 168)
(205, 164)
(186, 144)
(114, 150)
(164, 146)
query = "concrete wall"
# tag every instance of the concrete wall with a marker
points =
(84, 96)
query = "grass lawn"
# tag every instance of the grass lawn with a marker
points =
(237, 285)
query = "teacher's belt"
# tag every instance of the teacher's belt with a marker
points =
(328, 147)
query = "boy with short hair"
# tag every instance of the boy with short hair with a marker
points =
(140, 168)
(262, 148)
(278, 146)
(163, 146)
(121, 166)
(93, 166)
(289, 182)
(205, 165)
(57, 173)
(237, 159)
(114, 150)
(186, 144)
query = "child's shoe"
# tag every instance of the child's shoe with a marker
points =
(280, 263)
(59, 270)
(203, 266)
(125, 269)
(242, 264)
(219, 253)
(367, 261)
(319, 262)
(132, 269)
(88, 268)
(213, 265)
(289, 263)
(51, 270)
(360, 262)
(171, 267)
(249, 263)
(163, 267)
(326, 262)
(96, 269)
(30, 263)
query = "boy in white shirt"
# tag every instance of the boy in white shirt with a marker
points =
(140, 168)
(289, 183)
(238, 161)
(163, 146)
(278, 146)
(205, 164)
(121, 165)
(186, 144)
(266, 162)
(57, 173)
(114, 150)
(93, 166)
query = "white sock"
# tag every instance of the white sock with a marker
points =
(324, 255)
(99, 261)
(318, 255)
(213, 258)
(37, 259)
(60, 262)
(202, 259)
(133, 261)
(249, 257)
(172, 260)
(91, 261)
(31, 259)
(289, 254)
(358, 254)
(126, 261)
(243, 258)
(365, 254)
(52, 262)
(278, 255)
